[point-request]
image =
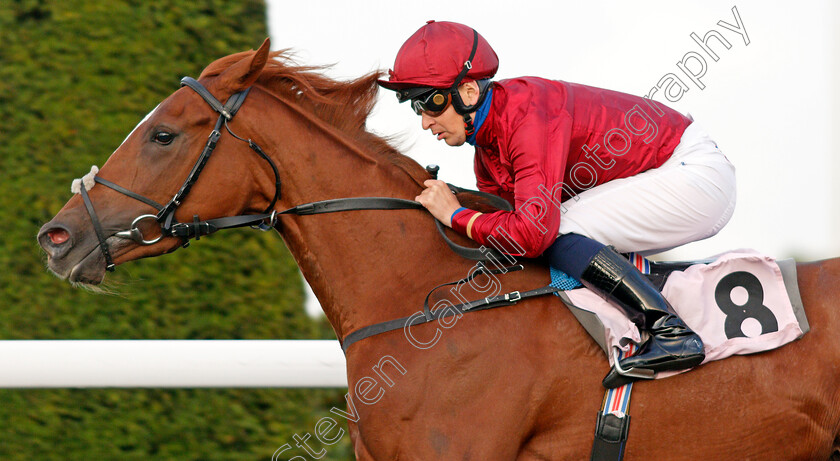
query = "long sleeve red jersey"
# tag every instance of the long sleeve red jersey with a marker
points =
(545, 141)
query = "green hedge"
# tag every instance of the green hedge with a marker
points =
(75, 77)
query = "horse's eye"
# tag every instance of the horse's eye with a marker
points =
(163, 138)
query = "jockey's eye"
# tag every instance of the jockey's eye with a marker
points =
(163, 138)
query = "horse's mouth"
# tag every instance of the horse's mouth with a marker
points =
(90, 269)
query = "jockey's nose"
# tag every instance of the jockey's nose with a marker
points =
(426, 120)
(55, 239)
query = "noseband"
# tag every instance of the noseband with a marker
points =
(170, 227)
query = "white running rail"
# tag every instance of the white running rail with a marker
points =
(171, 363)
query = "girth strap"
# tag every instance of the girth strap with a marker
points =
(612, 426)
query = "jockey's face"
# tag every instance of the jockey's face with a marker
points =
(449, 125)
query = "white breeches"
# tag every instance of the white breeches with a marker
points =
(689, 198)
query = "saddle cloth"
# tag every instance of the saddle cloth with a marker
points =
(741, 302)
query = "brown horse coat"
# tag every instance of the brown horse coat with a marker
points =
(514, 383)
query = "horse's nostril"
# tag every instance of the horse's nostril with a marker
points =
(58, 236)
(55, 239)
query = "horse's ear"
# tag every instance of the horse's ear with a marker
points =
(245, 72)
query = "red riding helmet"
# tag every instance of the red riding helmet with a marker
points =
(435, 55)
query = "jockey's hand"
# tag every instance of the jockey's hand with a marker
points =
(439, 200)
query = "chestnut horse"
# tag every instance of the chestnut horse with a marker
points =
(520, 382)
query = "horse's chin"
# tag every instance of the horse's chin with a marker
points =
(90, 270)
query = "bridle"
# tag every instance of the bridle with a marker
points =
(267, 220)
(165, 216)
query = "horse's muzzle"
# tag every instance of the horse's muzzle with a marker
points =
(72, 252)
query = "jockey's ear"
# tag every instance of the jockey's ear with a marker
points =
(245, 72)
(469, 92)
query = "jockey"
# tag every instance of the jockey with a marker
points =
(590, 172)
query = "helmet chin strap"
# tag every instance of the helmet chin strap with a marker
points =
(469, 128)
(457, 102)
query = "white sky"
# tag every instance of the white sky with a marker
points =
(770, 105)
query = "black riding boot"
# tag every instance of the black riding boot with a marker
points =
(671, 346)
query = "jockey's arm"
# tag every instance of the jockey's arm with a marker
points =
(537, 151)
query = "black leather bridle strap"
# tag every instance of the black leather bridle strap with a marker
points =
(127, 192)
(165, 214)
(202, 228)
(196, 228)
(227, 110)
(103, 245)
(277, 182)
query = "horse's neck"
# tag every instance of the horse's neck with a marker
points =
(364, 266)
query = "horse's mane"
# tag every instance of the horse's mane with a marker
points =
(344, 105)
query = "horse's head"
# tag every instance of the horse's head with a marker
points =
(132, 204)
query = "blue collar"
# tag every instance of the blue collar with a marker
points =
(480, 115)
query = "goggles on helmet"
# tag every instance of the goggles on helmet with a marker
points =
(432, 104)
